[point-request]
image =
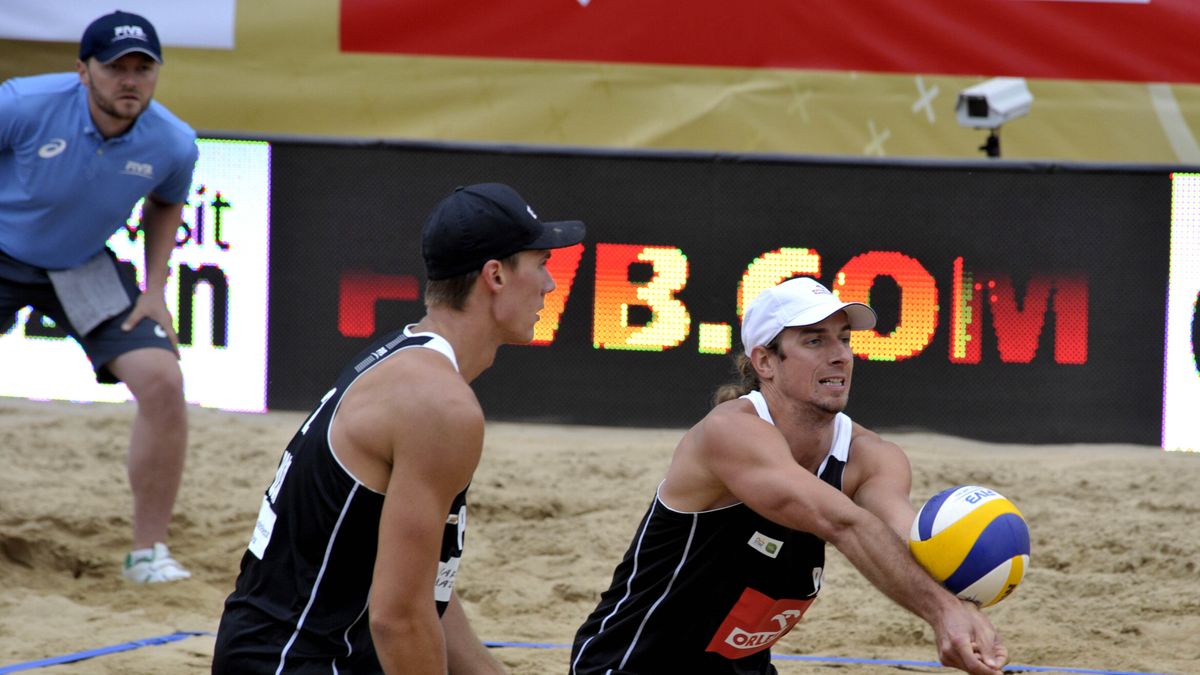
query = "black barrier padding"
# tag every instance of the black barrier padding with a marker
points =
(1196, 332)
(344, 208)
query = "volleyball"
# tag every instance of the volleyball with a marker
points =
(973, 541)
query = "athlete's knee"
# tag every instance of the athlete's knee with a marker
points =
(155, 382)
(162, 393)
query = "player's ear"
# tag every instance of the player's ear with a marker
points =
(760, 360)
(492, 274)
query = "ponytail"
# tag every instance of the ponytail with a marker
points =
(747, 381)
(747, 378)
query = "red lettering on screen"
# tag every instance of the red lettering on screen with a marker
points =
(918, 303)
(1071, 319)
(563, 264)
(359, 291)
(1018, 330)
(1018, 320)
(1017, 315)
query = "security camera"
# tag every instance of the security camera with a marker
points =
(989, 104)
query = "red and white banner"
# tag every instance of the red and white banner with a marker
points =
(1130, 40)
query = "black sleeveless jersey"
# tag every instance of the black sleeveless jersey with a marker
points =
(300, 603)
(706, 593)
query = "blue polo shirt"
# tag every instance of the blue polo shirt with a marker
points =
(64, 189)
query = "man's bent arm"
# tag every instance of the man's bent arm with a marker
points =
(465, 653)
(435, 451)
(160, 221)
(754, 462)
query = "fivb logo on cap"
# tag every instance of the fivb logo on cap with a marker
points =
(129, 33)
(114, 35)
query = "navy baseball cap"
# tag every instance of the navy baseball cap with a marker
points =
(114, 35)
(488, 221)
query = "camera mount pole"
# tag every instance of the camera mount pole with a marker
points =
(992, 145)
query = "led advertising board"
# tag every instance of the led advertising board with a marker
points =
(217, 292)
(1007, 293)
(1181, 373)
(1016, 302)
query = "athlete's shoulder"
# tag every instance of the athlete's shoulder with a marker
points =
(166, 125)
(871, 452)
(733, 408)
(733, 414)
(729, 426)
(430, 414)
(49, 84)
(429, 382)
(30, 95)
(408, 398)
(862, 437)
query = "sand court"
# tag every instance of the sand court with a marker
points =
(1113, 585)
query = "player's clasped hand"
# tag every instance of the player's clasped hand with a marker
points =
(971, 643)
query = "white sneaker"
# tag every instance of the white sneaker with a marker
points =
(153, 565)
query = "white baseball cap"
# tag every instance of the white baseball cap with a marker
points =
(801, 301)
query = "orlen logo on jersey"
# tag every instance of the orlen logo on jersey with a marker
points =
(755, 623)
(741, 639)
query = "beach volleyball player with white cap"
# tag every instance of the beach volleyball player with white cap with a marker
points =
(731, 551)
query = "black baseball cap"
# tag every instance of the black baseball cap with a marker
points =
(488, 221)
(114, 35)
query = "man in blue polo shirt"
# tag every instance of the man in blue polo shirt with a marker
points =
(77, 152)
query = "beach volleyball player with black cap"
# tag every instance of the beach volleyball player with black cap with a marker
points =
(352, 562)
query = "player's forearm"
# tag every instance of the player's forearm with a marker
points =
(894, 509)
(465, 653)
(473, 659)
(159, 224)
(413, 645)
(882, 557)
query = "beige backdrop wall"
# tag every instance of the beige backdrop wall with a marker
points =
(286, 75)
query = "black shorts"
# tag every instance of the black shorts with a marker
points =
(23, 285)
(250, 643)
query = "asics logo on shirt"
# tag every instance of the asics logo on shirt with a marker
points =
(133, 168)
(52, 149)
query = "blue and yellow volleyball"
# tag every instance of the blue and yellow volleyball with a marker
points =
(973, 541)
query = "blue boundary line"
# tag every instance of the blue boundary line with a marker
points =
(1010, 668)
(112, 649)
(181, 635)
